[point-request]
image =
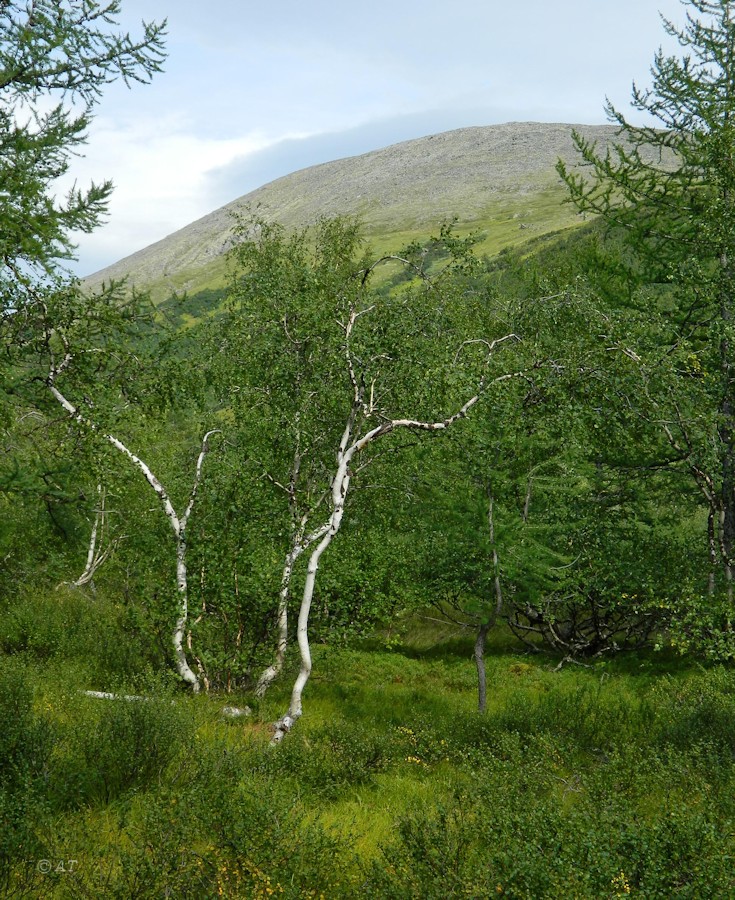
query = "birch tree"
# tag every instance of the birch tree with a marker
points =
(274, 362)
(356, 439)
(338, 345)
(100, 547)
(57, 315)
(56, 59)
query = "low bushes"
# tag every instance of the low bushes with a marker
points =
(584, 783)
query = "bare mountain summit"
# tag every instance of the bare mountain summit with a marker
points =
(484, 176)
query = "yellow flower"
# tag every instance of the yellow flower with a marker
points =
(620, 884)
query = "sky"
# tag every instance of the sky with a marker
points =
(252, 91)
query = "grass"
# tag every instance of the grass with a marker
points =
(606, 781)
(505, 222)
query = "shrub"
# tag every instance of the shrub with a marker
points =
(699, 712)
(69, 624)
(329, 760)
(500, 842)
(26, 740)
(120, 746)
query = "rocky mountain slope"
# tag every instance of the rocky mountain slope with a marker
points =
(498, 177)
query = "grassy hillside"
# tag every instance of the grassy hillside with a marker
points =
(499, 180)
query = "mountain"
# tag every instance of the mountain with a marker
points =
(499, 179)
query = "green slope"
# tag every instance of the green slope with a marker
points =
(499, 180)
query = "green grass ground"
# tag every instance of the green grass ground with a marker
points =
(609, 781)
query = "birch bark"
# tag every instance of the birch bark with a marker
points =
(350, 447)
(178, 523)
(299, 545)
(96, 556)
(300, 542)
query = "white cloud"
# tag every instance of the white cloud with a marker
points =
(243, 77)
(160, 174)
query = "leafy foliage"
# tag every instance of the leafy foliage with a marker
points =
(65, 53)
(666, 195)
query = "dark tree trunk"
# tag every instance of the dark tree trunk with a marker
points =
(727, 424)
(480, 663)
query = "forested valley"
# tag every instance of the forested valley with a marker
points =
(401, 573)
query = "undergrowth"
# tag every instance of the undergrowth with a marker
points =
(610, 781)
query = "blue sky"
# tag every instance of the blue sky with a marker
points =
(255, 90)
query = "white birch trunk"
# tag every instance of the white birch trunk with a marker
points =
(178, 525)
(93, 559)
(340, 486)
(270, 674)
(182, 665)
(106, 695)
(299, 545)
(348, 449)
(228, 712)
(96, 556)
